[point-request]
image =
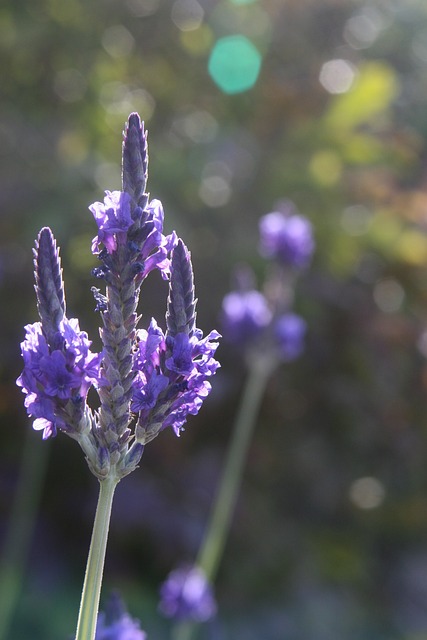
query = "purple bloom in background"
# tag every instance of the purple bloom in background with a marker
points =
(187, 595)
(116, 624)
(244, 315)
(290, 331)
(287, 237)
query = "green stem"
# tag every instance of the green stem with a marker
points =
(211, 550)
(21, 527)
(182, 631)
(86, 626)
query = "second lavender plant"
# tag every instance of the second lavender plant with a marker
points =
(146, 379)
(261, 325)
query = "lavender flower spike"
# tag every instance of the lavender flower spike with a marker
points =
(173, 370)
(49, 284)
(181, 310)
(59, 367)
(135, 159)
(146, 380)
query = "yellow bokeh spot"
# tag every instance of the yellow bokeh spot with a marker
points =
(198, 41)
(362, 149)
(325, 167)
(374, 88)
(412, 247)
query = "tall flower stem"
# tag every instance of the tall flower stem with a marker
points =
(260, 368)
(219, 522)
(86, 626)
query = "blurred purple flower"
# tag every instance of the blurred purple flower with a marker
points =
(247, 318)
(187, 595)
(287, 237)
(116, 624)
(290, 331)
(244, 315)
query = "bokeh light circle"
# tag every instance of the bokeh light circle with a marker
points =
(234, 64)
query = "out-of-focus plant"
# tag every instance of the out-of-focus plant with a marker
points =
(263, 328)
(114, 623)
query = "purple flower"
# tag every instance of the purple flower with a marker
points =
(113, 219)
(172, 369)
(116, 624)
(59, 381)
(244, 316)
(287, 237)
(147, 391)
(146, 380)
(248, 321)
(156, 246)
(181, 360)
(290, 332)
(59, 367)
(131, 230)
(187, 595)
(51, 378)
(168, 389)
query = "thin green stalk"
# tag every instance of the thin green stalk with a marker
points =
(86, 626)
(219, 522)
(21, 527)
(182, 631)
(212, 547)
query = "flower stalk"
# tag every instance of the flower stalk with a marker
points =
(212, 547)
(219, 522)
(263, 326)
(146, 379)
(89, 604)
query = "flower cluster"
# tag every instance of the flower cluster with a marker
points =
(187, 595)
(287, 236)
(59, 367)
(56, 380)
(245, 315)
(146, 380)
(262, 321)
(173, 368)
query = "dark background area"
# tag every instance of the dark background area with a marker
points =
(330, 534)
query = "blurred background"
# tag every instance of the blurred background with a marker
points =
(247, 102)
